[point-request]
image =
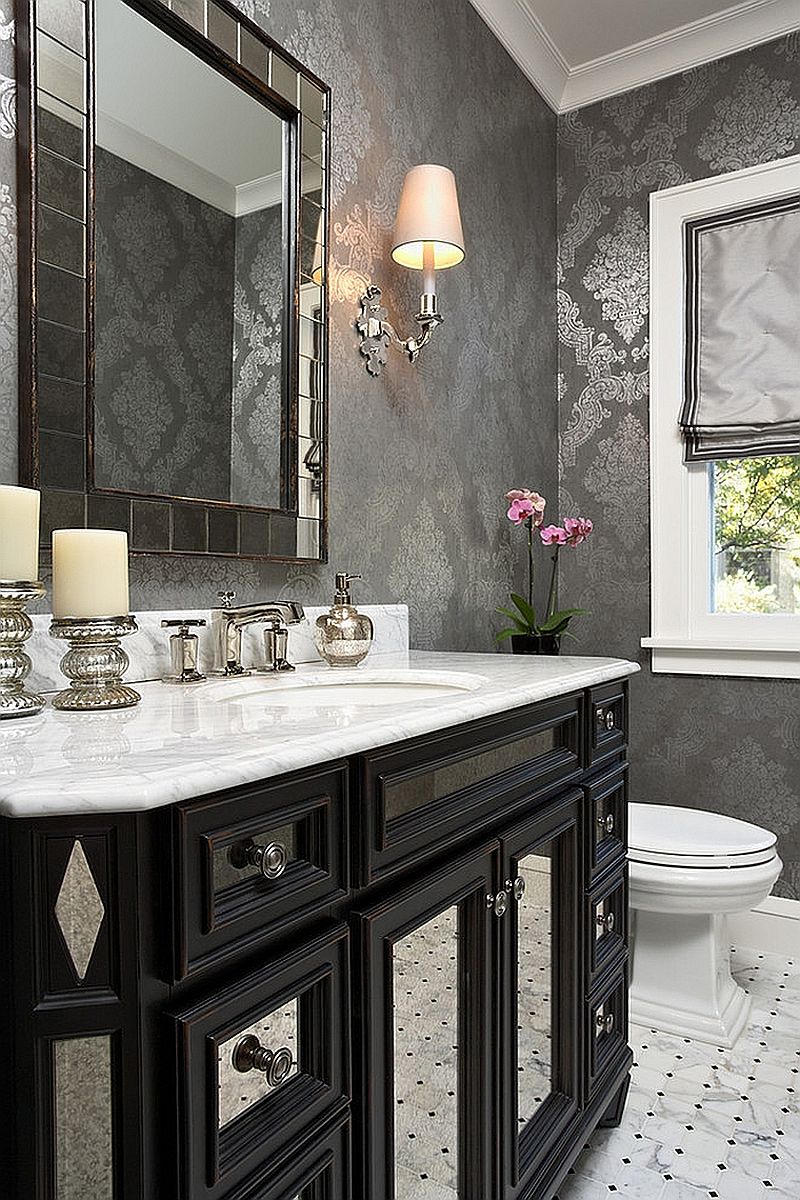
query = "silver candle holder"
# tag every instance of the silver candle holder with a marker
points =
(15, 629)
(94, 663)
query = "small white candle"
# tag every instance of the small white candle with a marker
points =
(90, 573)
(19, 534)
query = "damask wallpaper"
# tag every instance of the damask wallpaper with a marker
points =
(257, 332)
(728, 745)
(163, 336)
(420, 458)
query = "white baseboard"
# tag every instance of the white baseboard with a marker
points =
(771, 928)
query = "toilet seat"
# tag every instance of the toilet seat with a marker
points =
(667, 836)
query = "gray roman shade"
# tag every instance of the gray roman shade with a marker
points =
(742, 368)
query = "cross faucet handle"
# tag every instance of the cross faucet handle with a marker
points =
(226, 599)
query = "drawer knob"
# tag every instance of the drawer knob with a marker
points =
(605, 718)
(606, 823)
(604, 1022)
(606, 921)
(250, 1055)
(271, 860)
(498, 904)
(519, 888)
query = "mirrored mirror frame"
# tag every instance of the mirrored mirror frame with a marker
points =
(56, 451)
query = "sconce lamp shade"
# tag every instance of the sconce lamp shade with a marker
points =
(428, 212)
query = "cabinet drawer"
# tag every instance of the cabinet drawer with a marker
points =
(608, 721)
(253, 863)
(607, 925)
(430, 791)
(607, 814)
(321, 1172)
(261, 1065)
(607, 1028)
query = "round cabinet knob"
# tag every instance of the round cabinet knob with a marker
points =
(606, 823)
(606, 921)
(604, 1022)
(250, 1055)
(498, 904)
(610, 720)
(519, 888)
(271, 860)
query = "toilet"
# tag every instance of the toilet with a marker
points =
(688, 869)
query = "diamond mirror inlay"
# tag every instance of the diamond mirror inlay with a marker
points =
(79, 910)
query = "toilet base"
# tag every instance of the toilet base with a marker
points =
(681, 980)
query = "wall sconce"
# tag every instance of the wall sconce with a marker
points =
(427, 237)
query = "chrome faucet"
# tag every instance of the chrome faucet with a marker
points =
(228, 621)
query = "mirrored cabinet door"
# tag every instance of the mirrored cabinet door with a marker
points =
(427, 1004)
(540, 1053)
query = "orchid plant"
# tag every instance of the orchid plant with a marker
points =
(526, 510)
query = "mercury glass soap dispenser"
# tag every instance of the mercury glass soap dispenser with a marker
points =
(343, 635)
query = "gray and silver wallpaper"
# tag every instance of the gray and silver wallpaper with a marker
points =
(257, 404)
(420, 459)
(163, 336)
(729, 745)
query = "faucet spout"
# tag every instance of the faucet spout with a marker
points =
(228, 621)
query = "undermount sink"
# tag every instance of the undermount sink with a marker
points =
(351, 688)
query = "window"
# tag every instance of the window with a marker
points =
(756, 513)
(725, 535)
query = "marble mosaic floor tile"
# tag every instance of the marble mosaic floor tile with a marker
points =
(705, 1122)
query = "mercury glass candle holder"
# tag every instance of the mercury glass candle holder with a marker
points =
(95, 663)
(15, 629)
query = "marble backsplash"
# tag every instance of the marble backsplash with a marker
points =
(148, 649)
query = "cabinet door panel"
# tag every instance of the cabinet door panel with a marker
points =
(540, 976)
(426, 1064)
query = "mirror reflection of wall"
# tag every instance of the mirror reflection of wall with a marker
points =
(190, 391)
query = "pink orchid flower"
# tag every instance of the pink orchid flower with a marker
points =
(553, 535)
(534, 506)
(520, 510)
(577, 529)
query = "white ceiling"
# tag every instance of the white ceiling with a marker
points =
(164, 109)
(580, 51)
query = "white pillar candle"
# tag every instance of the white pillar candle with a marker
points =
(90, 573)
(19, 534)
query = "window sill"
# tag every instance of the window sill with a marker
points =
(682, 656)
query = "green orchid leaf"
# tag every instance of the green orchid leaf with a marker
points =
(521, 626)
(527, 610)
(559, 620)
(505, 633)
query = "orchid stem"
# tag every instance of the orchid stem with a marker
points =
(552, 598)
(530, 561)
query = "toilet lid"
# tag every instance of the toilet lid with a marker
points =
(662, 833)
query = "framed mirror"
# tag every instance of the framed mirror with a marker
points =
(173, 230)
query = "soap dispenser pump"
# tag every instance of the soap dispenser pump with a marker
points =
(343, 635)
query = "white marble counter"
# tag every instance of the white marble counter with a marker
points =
(187, 741)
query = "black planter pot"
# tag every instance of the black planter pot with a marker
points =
(536, 643)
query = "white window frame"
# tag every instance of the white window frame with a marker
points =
(686, 638)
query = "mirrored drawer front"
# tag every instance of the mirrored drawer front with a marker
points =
(435, 787)
(262, 1064)
(257, 862)
(607, 813)
(608, 721)
(317, 1169)
(607, 915)
(607, 1032)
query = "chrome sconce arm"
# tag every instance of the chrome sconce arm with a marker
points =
(378, 333)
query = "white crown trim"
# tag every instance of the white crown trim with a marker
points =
(565, 87)
(258, 194)
(715, 36)
(518, 28)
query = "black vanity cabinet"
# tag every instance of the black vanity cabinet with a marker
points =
(399, 977)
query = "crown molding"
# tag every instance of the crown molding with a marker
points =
(565, 87)
(516, 26)
(716, 36)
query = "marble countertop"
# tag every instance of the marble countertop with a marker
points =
(187, 741)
